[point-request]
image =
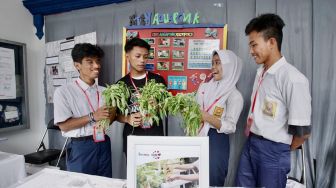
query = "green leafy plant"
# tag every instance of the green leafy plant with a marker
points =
(116, 96)
(186, 105)
(152, 101)
(155, 103)
(153, 174)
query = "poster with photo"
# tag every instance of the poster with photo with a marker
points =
(60, 68)
(177, 66)
(188, 50)
(179, 42)
(163, 54)
(162, 65)
(177, 82)
(150, 41)
(164, 42)
(54, 70)
(200, 53)
(151, 52)
(157, 161)
(178, 54)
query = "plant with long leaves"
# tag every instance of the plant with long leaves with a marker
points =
(116, 96)
(152, 101)
(186, 105)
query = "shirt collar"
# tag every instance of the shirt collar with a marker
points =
(274, 67)
(139, 77)
(84, 85)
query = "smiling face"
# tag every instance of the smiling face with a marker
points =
(89, 69)
(137, 57)
(260, 48)
(216, 69)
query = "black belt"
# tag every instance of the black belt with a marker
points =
(83, 138)
(257, 136)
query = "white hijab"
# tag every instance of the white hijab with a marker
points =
(209, 92)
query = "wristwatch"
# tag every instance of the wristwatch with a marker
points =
(92, 120)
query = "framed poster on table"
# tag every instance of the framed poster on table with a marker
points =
(167, 162)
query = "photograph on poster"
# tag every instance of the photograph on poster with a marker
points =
(171, 170)
(162, 65)
(177, 82)
(167, 162)
(163, 54)
(177, 66)
(164, 42)
(150, 41)
(179, 42)
(178, 54)
(54, 70)
(151, 54)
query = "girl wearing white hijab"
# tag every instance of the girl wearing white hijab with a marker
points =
(221, 104)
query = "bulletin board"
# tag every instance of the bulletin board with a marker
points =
(180, 53)
(13, 86)
(60, 68)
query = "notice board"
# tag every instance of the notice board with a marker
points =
(13, 86)
(180, 53)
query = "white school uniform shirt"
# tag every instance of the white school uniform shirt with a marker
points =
(283, 99)
(71, 102)
(227, 110)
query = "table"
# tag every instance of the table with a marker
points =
(54, 178)
(12, 169)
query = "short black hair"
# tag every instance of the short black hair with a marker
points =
(270, 25)
(82, 50)
(136, 42)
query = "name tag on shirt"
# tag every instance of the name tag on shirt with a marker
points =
(269, 108)
(98, 134)
(218, 112)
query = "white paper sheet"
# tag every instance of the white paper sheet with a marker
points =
(52, 48)
(11, 115)
(87, 38)
(51, 60)
(66, 61)
(67, 45)
(59, 81)
(7, 74)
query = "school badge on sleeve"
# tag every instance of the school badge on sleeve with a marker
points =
(218, 112)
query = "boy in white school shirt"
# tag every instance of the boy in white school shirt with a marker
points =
(77, 108)
(279, 118)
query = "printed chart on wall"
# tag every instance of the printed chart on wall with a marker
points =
(60, 68)
(180, 53)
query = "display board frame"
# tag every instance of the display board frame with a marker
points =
(14, 112)
(173, 55)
